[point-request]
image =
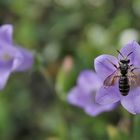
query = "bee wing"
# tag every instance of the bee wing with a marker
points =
(134, 79)
(111, 79)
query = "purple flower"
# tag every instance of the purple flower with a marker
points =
(12, 57)
(111, 94)
(83, 94)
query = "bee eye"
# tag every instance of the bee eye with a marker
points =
(122, 61)
(125, 61)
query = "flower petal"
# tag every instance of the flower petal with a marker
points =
(6, 32)
(23, 60)
(108, 95)
(135, 56)
(131, 102)
(78, 97)
(89, 81)
(10, 53)
(95, 109)
(4, 75)
(5, 71)
(103, 65)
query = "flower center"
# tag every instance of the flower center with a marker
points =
(6, 57)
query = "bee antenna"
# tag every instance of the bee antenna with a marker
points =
(129, 54)
(111, 63)
(120, 53)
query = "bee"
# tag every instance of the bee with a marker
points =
(124, 74)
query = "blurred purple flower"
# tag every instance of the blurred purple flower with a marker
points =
(83, 94)
(104, 68)
(12, 57)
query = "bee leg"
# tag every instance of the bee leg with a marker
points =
(131, 65)
(134, 69)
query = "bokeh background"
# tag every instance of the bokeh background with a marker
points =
(65, 37)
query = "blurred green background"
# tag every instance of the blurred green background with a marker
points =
(65, 36)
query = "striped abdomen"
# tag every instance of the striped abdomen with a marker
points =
(124, 85)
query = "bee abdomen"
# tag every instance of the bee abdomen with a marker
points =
(124, 85)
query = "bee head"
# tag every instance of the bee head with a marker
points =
(125, 61)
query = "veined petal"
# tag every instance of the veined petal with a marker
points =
(135, 56)
(6, 32)
(131, 102)
(103, 66)
(108, 95)
(89, 81)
